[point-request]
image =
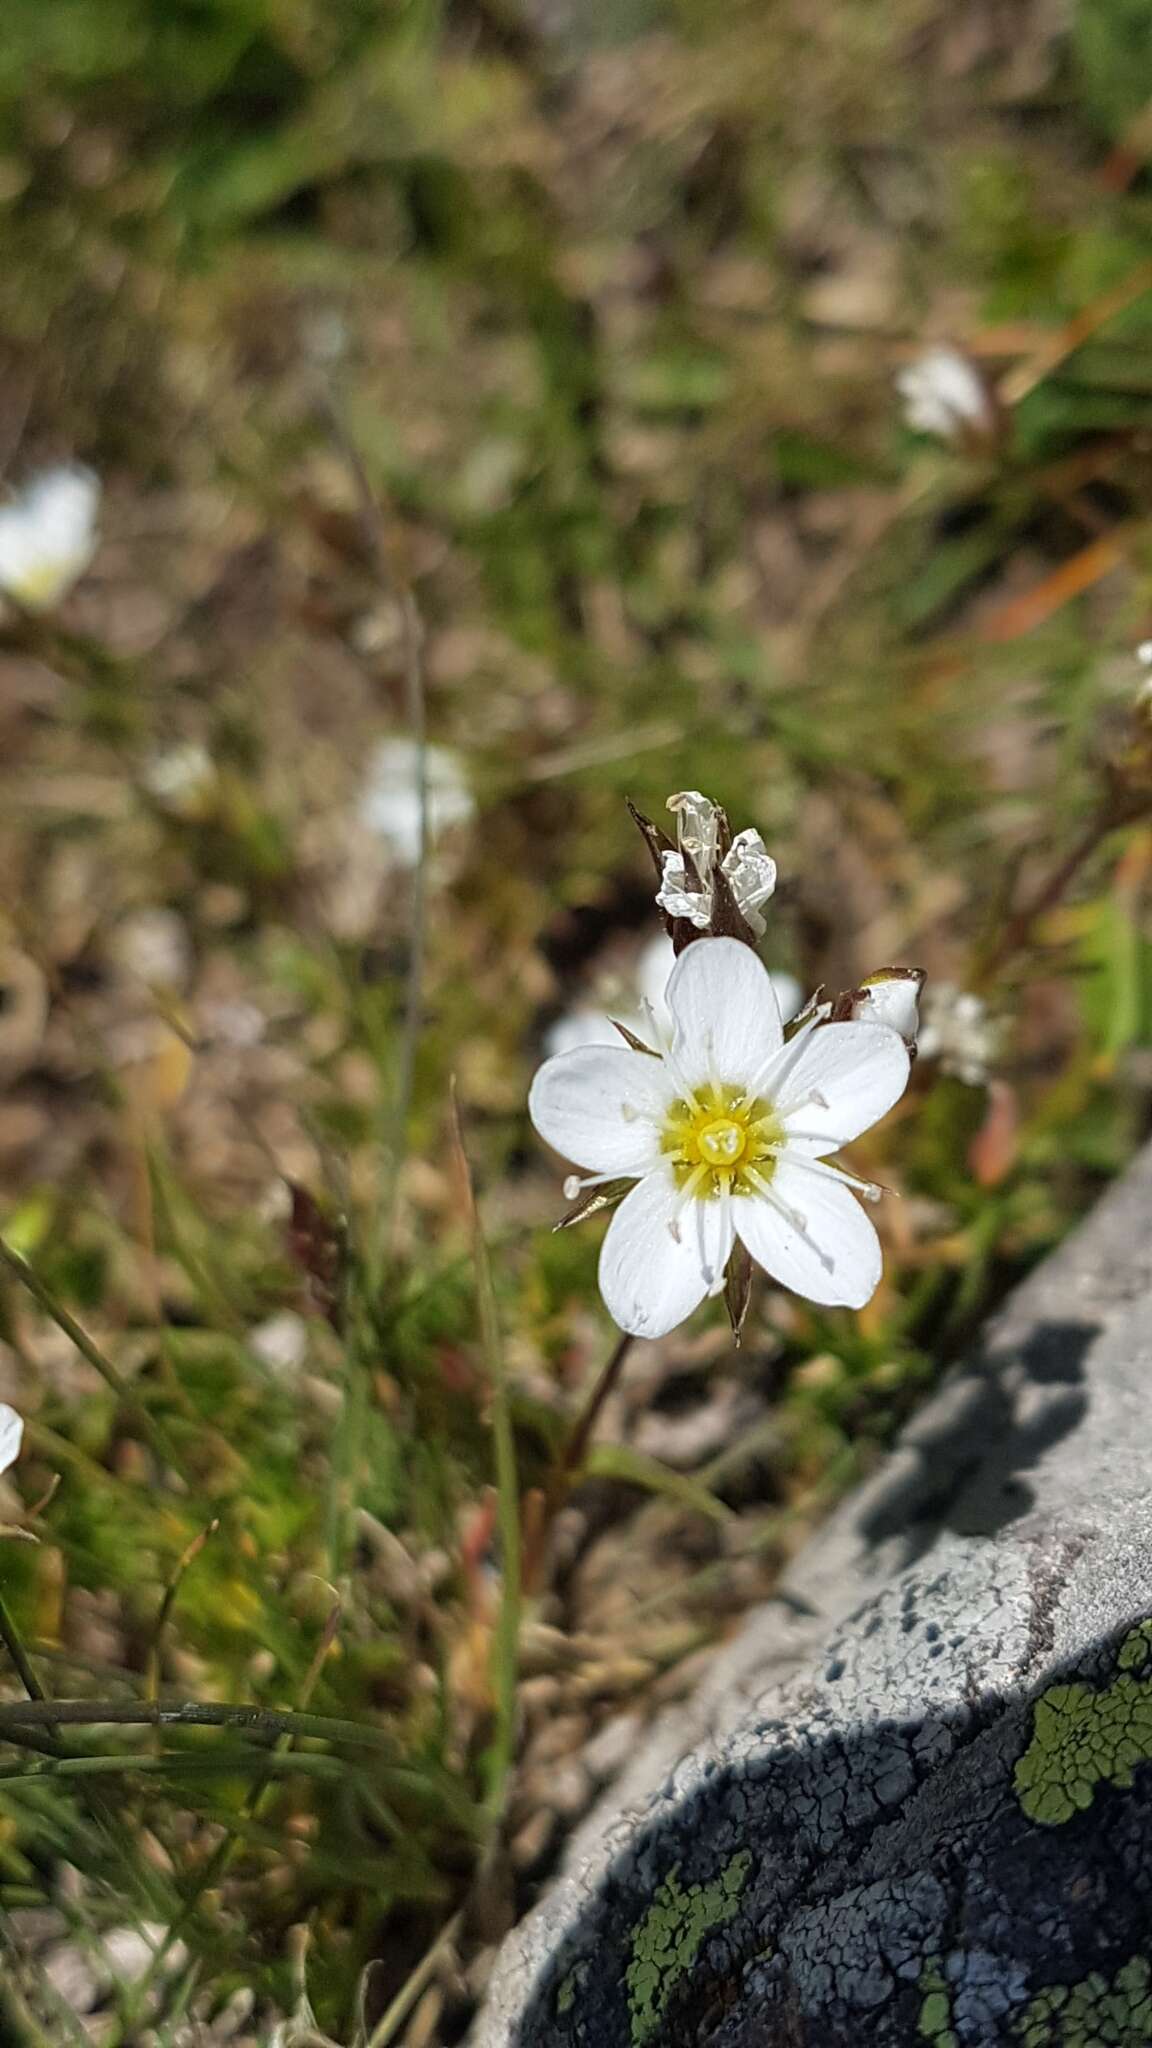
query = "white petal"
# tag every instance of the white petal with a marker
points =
(48, 535)
(724, 1008)
(11, 1436)
(845, 1079)
(828, 1251)
(751, 872)
(789, 993)
(678, 897)
(662, 1255)
(601, 1106)
(697, 827)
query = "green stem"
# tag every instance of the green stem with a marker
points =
(112, 1376)
(265, 1721)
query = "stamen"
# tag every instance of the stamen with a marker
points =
(576, 1183)
(796, 1221)
(869, 1189)
(784, 1058)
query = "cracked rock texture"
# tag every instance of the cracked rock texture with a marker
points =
(913, 1804)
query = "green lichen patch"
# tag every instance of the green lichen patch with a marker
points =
(935, 2021)
(670, 1936)
(1084, 1737)
(1093, 2013)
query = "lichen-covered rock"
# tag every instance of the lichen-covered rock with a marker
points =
(917, 1808)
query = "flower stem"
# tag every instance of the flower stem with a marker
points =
(264, 1721)
(542, 1508)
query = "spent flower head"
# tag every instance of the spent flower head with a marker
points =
(725, 1130)
(710, 882)
(48, 536)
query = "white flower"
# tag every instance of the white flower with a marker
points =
(748, 867)
(725, 1132)
(648, 1016)
(11, 1436)
(945, 395)
(893, 998)
(48, 536)
(182, 779)
(958, 1032)
(390, 803)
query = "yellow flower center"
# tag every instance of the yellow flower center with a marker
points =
(720, 1142)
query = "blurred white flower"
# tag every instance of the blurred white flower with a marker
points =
(725, 1133)
(182, 778)
(390, 806)
(281, 1343)
(688, 883)
(643, 1009)
(48, 536)
(892, 997)
(957, 1031)
(944, 394)
(11, 1436)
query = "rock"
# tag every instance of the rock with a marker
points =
(913, 1803)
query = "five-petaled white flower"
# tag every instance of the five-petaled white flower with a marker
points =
(11, 1436)
(687, 883)
(945, 394)
(726, 1132)
(48, 536)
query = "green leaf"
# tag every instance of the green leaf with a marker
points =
(620, 1461)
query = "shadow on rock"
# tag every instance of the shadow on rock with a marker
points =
(978, 1873)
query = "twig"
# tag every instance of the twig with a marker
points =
(38, 1288)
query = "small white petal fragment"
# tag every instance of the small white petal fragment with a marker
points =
(390, 804)
(11, 1436)
(661, 1256)
(944, 394)
(48, 536)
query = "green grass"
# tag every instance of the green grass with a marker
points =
(615, 325)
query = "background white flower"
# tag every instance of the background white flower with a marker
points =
(958, 1032)
(644, 1004)
(389, 804)
(944, 394)
(48, 536)
(11, 1436)
(726, 1134)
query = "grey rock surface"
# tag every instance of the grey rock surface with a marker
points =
(913, 1803)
